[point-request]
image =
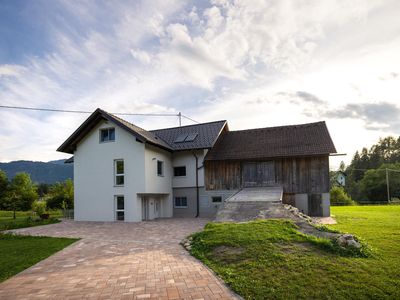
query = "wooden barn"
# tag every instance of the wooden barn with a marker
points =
(294, 157)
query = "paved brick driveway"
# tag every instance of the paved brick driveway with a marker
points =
(118, 261)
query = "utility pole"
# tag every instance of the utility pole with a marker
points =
(387, 185)
(180, 119)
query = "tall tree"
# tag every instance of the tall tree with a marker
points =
(3, 187)
(21, 193)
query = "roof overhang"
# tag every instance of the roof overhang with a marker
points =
(69, 146)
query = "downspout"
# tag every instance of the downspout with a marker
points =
(197, 185)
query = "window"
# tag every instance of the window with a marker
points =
(180, 202)
(119, 208)
(119, 172)
(160, 168)
(180, 171)
(216, 199)
(107, 135)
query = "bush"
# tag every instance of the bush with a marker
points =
(61, 195)
(39, 207)
(339, 197)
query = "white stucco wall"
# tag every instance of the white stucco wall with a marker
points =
(155, 184)
(186, 158)
(94, 175)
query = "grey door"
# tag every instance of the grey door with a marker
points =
(258, 174)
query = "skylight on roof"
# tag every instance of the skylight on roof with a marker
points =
(191, 137)
(181, 138)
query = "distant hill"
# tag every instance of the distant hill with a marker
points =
(41, 172)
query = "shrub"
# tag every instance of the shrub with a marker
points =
(39, 207)
(61, 195)
(339, 197)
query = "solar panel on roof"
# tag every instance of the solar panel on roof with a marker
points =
(181, 138)
(191, 137)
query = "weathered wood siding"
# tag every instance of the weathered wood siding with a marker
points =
(222, 175)
(296, 175)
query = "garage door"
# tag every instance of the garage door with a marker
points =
(258, 174)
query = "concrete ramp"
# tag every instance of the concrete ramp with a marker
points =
(265, 194)
(253, 203)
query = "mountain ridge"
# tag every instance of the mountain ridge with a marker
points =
(40, 172)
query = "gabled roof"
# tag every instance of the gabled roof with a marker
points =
(142, 135)
(273, 142)
(198, 136)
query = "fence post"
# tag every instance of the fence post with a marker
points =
(387, 185)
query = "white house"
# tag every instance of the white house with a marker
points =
(125, 173)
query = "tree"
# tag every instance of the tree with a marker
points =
(3, 188)
(386, 151)
(21, 193)
(373, 185)
(61, 192)
(339, 196)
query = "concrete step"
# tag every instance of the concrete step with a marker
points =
(234, 211)
(269, 194)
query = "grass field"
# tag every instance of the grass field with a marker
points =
(271, 260)
(20, 252)
(25, 219)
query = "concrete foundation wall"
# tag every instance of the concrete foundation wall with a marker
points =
(206, 207)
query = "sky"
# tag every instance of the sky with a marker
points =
(253, 63)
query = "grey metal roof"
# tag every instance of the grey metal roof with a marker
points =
(207, 134)
(272, 142)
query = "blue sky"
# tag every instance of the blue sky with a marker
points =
(254, 63)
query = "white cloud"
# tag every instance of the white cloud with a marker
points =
(259, 63)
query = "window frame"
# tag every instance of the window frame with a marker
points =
(116, 174)
(117, 210)
(216, 202)
(162, 168)
(180, 198)
(180, 175)
(101, 130)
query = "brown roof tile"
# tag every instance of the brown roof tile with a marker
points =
(272, 142)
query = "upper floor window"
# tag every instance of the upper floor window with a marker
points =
(107, 135)
(160, 168)
(180, 171)
(119, 172)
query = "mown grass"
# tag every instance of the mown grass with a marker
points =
(272, 260)
(20, 252)
(25, 219)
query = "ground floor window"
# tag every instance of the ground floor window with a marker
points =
(180, 202)
(119, 208)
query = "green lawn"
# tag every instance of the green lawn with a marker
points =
(20, 252)
(25, 219)
(272, 260)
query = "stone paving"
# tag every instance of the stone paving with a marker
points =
(118, 261)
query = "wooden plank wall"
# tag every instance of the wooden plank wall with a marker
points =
(303, 174)
(296, 175)
(222, 175)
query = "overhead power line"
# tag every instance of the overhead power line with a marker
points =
(89, 112)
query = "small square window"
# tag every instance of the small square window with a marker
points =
(216, 199)
(180, 171)
(107, 135)
(180, 202)
(160, 168)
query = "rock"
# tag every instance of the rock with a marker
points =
(348, 240)
(354, 244)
